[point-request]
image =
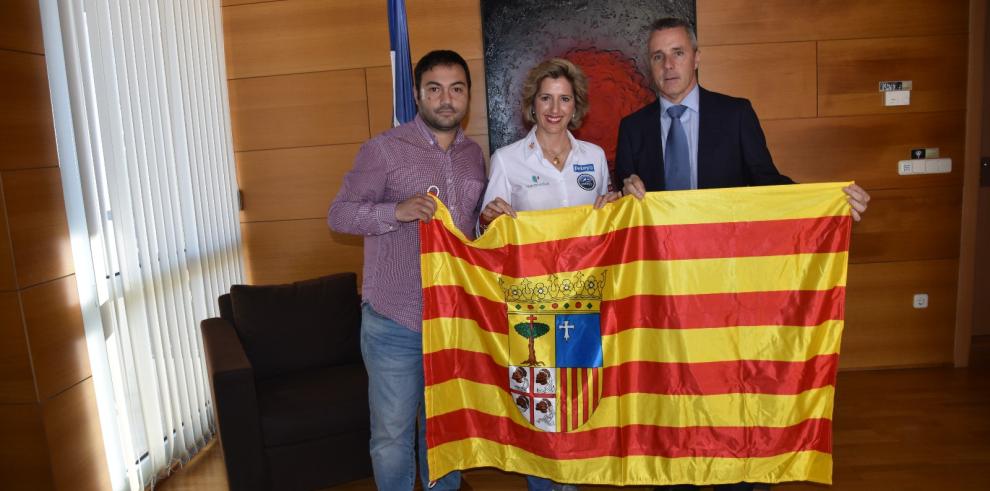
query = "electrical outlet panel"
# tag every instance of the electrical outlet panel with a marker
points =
(924, 166)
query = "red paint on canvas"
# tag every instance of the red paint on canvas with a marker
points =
(615, 90)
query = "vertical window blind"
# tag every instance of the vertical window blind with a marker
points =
(147, 99)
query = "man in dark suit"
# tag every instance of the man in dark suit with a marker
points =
(692, 138)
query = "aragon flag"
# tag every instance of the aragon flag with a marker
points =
(691, 337)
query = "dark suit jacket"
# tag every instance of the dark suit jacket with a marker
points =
(732, 150)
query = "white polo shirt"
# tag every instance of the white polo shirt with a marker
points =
(526, 180)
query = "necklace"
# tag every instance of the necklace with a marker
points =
(555, 157)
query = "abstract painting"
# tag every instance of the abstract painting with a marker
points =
(606, 39)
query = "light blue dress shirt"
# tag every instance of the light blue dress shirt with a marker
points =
(689, 120)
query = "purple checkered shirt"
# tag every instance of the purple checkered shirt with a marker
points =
(388, 169)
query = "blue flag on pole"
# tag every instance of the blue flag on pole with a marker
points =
(404, 107)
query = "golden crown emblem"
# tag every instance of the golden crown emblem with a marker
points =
(555, 288)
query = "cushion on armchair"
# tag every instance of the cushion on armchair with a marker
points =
(313, 404)
(287, 328)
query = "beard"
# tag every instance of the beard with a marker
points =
(441, 123)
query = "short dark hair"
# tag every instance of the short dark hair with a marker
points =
(674, 22)
(440, 57)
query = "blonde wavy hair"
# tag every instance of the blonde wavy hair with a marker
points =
(556, 68)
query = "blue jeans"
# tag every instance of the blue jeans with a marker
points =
(742, 486)
(393, 357)
(534, 483)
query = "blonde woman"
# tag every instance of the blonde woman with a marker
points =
(548, 168)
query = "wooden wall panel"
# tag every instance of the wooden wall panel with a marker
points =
(58, 341)
(444, 24)
(256, 42)
(909, 239)
(27, 133)
(286, 251)
(476, 121)
(24, 463)
(244, 2)
(865, 148)
(292, 85)
(379, 80)
(883, 330)
(907, 225)
(735, 22)
(72, 428)
(851, 69)
(299, 110)
(16, 378)
(779, 79)
(380, 100)
(20, 26)
(304, 36)
(292, 183)
(981, 280)
(8, 281)
(39, 232)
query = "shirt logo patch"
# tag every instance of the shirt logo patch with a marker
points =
(586, 181)
(537, 181)
(584, 167)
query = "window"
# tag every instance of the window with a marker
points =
(142, 122)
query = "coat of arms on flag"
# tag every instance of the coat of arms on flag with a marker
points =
(555, 348)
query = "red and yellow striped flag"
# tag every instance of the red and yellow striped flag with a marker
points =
(691, 337)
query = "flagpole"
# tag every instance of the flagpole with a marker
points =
(404, 107)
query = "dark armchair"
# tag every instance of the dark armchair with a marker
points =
(289, 388)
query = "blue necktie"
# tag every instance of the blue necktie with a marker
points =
(676, 161)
